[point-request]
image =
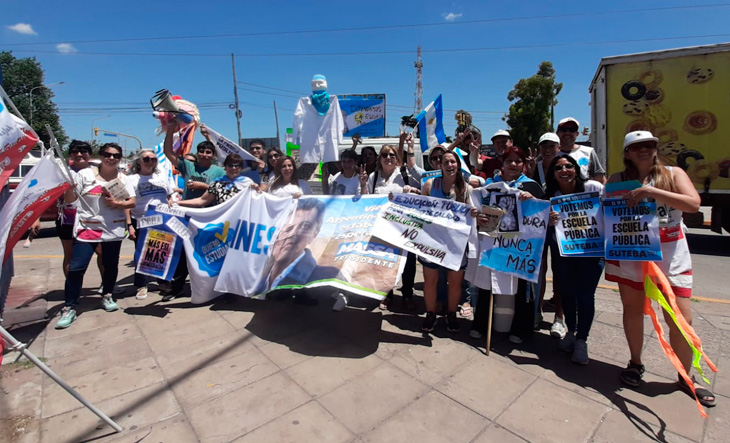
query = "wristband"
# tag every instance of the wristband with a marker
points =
(410, 154)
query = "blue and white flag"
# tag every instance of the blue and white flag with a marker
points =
(431, 125)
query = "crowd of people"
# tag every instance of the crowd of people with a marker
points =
(106, 204)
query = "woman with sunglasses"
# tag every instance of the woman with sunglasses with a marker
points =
(151, 188)
(100, 220)
(451, 186)
(577, 277)
(388, 179)
(223, 188)
(272, 157)
(674, 193)
(523, 321)
(286, 183)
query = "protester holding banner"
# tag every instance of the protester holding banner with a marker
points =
(577, 276)
(523, 320)
(286, 183)
(387, 179)
(100, 219)
(223, 188)
(272, 158)
(150, 188)
(197, 177)
(346, 182)
(674, 193)
(450, 186)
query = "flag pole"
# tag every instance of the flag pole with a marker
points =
(15, 345)
(57, 149)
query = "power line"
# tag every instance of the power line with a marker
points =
(410, 52)
(561, 16)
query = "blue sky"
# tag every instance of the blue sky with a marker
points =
(520, 34)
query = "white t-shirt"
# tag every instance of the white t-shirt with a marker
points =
(341, 185)
(102, 223)
(587, 160)
(393, 184)
(290, 190)
(150, 190)
(590, 186)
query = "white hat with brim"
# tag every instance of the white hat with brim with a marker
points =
(549, 137)
(638, 137)
(501, 133)
(568, 120)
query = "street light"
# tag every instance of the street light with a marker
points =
(31, 97)
(92, 124)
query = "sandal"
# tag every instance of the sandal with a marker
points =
(704, 396)
(465, 310)
(631, 376)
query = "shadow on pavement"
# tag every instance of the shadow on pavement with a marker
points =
(717, 245)
(599, 376)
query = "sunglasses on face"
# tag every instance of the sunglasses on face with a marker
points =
(149, 159)
(235, 165)
(570, 129)
(274, 156)
(388, 155)
(569, 167)
(110, 155)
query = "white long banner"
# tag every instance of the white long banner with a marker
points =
(432, 228)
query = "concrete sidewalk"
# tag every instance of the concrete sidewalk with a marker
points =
(271, 371)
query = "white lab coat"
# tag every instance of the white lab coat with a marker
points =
(318, 136)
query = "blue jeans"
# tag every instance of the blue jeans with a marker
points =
(80, 258)
(579, 277)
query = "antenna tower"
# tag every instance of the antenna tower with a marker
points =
(418, 106)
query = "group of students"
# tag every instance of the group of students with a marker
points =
(100, 221)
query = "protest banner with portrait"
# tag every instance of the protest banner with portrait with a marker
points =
(161, 229)
(580, 228)
(519, 255)
(632, 233)
(328, 242)
(432, 228)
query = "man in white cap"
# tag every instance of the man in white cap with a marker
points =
(548, 149)
(501, 141)
(590, 166)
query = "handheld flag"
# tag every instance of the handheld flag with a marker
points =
(16, 138)
(431, 125)
(225, 147)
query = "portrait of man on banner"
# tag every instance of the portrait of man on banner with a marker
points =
(291, 261)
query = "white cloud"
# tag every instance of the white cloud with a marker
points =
(451, 16)
(23, 28)
(65, 47)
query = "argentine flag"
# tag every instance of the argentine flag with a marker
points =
(431, 125)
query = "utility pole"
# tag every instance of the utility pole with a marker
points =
(235, 95)
(276, 117)
(418, 64)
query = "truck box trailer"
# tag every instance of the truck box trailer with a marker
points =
(683, 97)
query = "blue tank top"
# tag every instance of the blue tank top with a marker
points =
(436, 190)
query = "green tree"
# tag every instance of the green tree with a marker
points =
(20, 75)
(533, 99)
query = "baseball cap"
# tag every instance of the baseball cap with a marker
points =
(638, 137)
(501, 133)
(568, 120)
(549, 137)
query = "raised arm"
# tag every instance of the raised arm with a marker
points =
(169, 153)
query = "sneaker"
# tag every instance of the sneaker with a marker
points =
(580, 353)
(452, 323)
(558, 330)
(340, 303)
(475, 334)
(141, 293)
(108, 302)
(429, 322)
(515, 339)
(567, 344)
(67, 317)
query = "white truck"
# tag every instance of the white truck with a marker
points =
(683, 97)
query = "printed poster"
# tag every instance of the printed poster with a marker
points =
(632, 233)
(154, 259)
(580, 228)
(162, 229)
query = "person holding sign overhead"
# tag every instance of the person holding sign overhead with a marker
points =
(674, 193)
(578, 276)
